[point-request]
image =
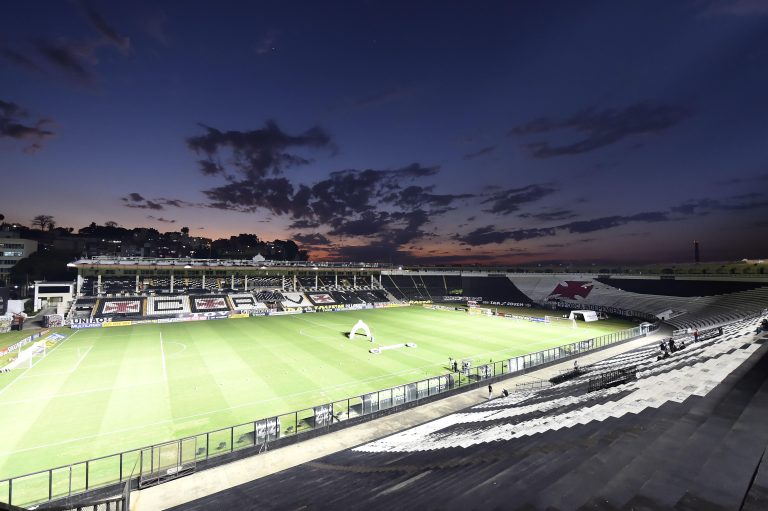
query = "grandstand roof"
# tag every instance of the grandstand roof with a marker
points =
(187, 263)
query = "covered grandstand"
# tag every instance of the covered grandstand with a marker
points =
(109, 288)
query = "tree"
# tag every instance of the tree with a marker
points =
(42, 221)
(185, 231)
(111, 223)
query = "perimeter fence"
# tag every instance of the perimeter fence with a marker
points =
(154, 464)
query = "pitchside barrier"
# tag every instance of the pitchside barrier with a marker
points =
(110, 475)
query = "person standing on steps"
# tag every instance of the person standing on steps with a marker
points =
(490, 391)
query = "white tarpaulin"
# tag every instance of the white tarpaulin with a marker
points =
(360, 325)
(583, 315)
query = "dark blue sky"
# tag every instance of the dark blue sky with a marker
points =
(434, 131)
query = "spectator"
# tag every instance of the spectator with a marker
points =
(490, 391)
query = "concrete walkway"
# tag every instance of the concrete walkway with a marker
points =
(207, 482)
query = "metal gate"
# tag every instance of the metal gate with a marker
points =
(164, 462)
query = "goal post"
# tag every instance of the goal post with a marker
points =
(37, 351)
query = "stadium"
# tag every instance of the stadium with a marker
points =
(489, 387)
(384, 255)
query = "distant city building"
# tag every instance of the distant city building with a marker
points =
(12, 250)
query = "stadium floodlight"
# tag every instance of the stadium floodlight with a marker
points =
(187, 266)
(71, 265)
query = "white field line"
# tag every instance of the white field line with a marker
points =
(79, 360)
(162, 352)
(414, 370)
(77, 393)
(30, 368)
(211, 412)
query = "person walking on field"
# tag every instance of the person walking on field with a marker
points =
(490, 391)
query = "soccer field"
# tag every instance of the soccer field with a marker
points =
(102, 391)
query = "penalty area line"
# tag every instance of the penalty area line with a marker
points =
(30, 368)
(162, 352)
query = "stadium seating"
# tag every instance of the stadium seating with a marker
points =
(167, 305)
(245, 302)
(120, 307)
(670, 287)
(290, 300)
(404, 287)
(209, 303)
(372, 296)
(82, 308)
(88, 287)
(269, 296)
(688, 312)
(265, 282)
(436, 287)
(688, 434)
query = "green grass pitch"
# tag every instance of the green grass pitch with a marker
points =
(107, 390)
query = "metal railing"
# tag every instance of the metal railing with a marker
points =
(611, 378)
(150, 464)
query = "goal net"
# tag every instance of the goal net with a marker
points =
(37, 352)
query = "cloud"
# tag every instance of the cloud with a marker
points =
(601, 128)
(138, 201)
(480, 152)
(65, 58)
(417, 196)
(489, 234)
(304, 224)
(19, 59)
(109, 34)
(508, 201)
(705, 206)
(551, 216)
(134, 197)
(368, 224)
(313, 239)
(161, 219)
(256, 153)
(608, 222)
(14, 125)
(387, 206)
